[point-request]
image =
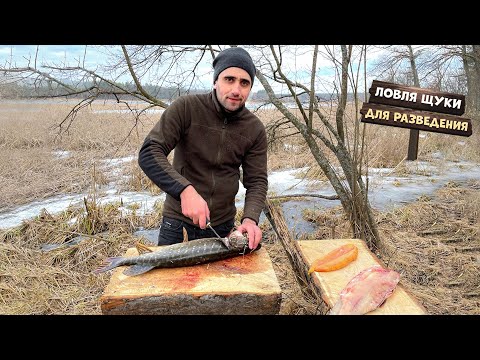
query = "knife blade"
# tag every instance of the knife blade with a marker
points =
(211, 228)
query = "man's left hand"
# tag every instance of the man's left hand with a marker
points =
(254, 232)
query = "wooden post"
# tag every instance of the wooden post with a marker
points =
(413, 145)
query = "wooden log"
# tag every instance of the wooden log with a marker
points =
(275, 215)
(242, 285)
(331, 283)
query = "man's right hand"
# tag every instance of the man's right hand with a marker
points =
(194, 206)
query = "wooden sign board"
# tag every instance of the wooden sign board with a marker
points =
(416, 98)
(420, 120)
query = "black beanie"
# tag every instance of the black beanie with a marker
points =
(233, 57)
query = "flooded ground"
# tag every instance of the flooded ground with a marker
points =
(386, 190)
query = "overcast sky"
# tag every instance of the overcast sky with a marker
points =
(297, 62)
(51, 53)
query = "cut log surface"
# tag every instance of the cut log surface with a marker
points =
(332, 283)
(241, 285)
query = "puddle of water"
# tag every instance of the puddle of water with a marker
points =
(386, 191)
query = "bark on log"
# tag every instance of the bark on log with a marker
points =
(274, 214)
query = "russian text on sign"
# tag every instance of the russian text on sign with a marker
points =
(420, 120)
(416, 98)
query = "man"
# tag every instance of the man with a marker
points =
(213, 135)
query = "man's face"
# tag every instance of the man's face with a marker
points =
(233, 87)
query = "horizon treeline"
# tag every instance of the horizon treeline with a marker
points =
(23, 91)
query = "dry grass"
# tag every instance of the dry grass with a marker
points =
(37, 161)
(434, 243)
(35, 174)
(294, 301)
(36, 279)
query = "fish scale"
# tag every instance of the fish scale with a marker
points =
(189, 253)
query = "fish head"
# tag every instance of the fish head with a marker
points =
(236, 240)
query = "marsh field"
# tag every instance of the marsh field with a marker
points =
(434, 241)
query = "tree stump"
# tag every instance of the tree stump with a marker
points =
(243, 285)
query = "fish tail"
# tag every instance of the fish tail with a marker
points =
(108, 264)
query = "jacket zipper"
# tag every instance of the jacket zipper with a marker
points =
(217, 162)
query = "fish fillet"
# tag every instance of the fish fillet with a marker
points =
(366, 291)
(335, 259)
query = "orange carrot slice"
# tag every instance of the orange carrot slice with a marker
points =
(335, 259)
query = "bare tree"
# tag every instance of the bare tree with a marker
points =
(432, 66)
(338, 153)
(170, 67)
(337, 149)
(402, 64)
(451, 68)
(457, 68)
(335, 139)
(471, 62)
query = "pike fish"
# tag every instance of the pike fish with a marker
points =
(366, 291)
(189, 253)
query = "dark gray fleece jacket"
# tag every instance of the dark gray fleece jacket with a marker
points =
(210, 145)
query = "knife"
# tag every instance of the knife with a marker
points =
(224, 240)
(211, 228)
